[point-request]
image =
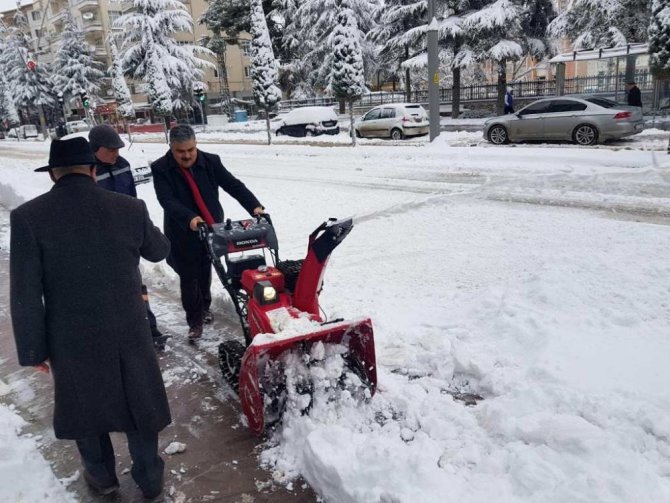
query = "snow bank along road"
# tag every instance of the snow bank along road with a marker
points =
(536, 278)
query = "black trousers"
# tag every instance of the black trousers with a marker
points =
(152, 317)
(97, 455)
(196, 295)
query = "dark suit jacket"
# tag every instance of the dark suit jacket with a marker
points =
(635, 97)
(176, 198)
(76, 300)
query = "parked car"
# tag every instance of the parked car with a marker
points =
(395, 121)
(77, 126)
(2, 134)
(13, 133)
(583, 120)
(308, 121)
(28, 131)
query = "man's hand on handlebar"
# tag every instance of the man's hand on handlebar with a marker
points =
(259, 210)
(194, 223)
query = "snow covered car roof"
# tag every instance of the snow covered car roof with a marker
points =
(309, 115)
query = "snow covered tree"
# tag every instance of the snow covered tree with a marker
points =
(659, 39)
(151, 54)
(8, 111)
(75, 70)
(263, 65)
(399, 35)
(29, 80)
(309, 30)
(508, 30)
(590, 24)
(120, 89)
(348, 80)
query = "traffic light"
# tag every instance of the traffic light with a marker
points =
(61, 100)
(84, 99)
(199, 94)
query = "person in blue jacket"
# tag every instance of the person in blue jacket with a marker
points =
(113, 173)
(509, 101)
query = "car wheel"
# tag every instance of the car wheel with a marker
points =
(278, 132)
(358, 134)
(396, 134)
(498, 135)
(585, 134)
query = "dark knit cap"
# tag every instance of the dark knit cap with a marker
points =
(104, 135)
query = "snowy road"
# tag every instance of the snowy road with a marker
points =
(555, 312)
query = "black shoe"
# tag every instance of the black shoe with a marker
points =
(194, 333)
(207, 317)
(154, 498)
(101, 489)
(159, 341)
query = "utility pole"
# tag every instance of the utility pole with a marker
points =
(433, 74)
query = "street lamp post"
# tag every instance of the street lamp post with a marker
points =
(433, 73)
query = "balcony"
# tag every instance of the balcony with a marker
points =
(83, 5)
(92, 25)
(58, 16)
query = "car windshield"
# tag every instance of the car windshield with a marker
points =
(603, 102)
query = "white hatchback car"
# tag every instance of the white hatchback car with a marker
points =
(395, 121)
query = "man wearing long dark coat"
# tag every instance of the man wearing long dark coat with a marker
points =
(77, 310)
(187, 183)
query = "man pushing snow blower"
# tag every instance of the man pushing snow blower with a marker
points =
(277, 302)
(278, 308)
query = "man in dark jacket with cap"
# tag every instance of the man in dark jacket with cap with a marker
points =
(187, 183)
(113, 173)
(74, 261)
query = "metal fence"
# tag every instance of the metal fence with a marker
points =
(489, 92)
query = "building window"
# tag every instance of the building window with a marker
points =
(246, 71)
(113, 16)
(36, 15)
(245, 45)
(216, 74)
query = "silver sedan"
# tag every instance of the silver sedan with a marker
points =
(586, 121)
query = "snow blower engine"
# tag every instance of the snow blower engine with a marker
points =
(278, 308)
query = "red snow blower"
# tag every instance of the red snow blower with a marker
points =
(265, 296)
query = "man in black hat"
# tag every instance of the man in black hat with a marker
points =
(74, 261)
(113, 173)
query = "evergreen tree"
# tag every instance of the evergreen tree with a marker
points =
(508, 30)
(29, 81)
(150, 52)
(659, 39)
(8, 111)
(311, 27)
(348, 80)
(120, 89)
(263, 65)
(75, 71)
(398, 33)
(602, 23)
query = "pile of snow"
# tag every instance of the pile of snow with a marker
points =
(24, 474)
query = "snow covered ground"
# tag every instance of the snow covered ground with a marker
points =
(535, 278)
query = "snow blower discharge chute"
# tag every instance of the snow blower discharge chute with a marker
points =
(265, 296)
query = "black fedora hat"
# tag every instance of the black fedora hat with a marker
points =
(65, 153)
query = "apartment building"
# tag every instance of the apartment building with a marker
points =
(46, 21)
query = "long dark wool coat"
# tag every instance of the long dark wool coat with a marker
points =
(176, 198)
(76, 300)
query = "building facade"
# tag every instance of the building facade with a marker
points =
(46, 19)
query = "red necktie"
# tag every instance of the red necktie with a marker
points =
(204, 211)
